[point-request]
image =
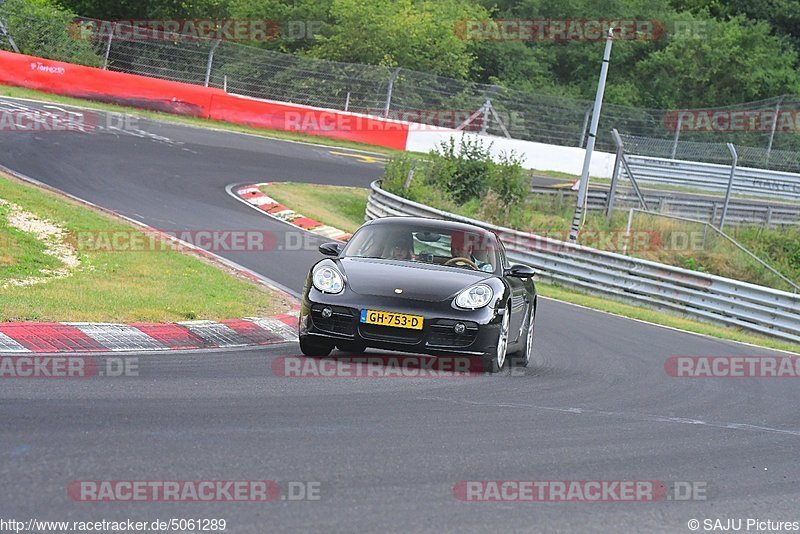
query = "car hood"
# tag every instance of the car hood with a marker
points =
(419, 281)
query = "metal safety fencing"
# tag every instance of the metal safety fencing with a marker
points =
(699, 295)
(398, 93)
(704, 209)
(714, 177)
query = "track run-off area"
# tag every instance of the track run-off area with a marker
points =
(385, 453)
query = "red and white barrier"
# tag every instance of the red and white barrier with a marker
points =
(210, 103)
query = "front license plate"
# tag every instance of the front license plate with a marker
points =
(384, 318)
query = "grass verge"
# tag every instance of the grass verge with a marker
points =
(340, 207)
(19, 92)
(161, 285)
(325, 203)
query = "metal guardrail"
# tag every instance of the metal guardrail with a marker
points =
(713, 177)
(702, 296)
(708, 210)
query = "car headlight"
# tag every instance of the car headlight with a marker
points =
(328, 280)
(474, 297)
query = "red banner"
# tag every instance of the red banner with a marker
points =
(195, 100)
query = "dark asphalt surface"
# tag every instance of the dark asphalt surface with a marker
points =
(387, 452)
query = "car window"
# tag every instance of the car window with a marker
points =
(426, 244)
(503, 258)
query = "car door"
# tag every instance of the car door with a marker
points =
(519, 298)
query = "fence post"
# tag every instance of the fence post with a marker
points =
(4, 31)
(774, 126)
(612, 190)
(108, 46)
(389, 91)
(677, 135)
(735, 157)
(211, 60)
(347, 101)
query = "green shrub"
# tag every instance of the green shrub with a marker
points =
(42, 28)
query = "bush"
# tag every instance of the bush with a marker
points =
(41, 28)
(463, 178)
(465, 171)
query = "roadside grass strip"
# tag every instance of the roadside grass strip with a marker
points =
(60, 263)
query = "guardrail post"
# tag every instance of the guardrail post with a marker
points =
(730, 186)
(389, 91)
(769, 216)
(108, 46)
(211, 60)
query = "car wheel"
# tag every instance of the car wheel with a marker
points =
(351, 347)
(315, 348)
(525, 355)
(496, 359)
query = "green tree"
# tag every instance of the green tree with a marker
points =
(415, 34)
(42, 28)
(147, 9)
(731, 61)
(311, 15)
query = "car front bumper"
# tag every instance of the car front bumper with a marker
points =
(437, 337)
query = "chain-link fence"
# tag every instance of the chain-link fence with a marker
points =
(763, 131)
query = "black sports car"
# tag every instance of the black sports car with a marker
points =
(422, 286)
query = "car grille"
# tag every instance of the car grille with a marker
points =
(390, 333)
(343, 320)
(442, 334)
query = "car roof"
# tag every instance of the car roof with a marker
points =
(435, 223)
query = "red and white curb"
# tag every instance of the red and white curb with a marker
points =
(115, 337)
(252, 194)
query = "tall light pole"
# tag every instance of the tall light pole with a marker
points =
(587, 160)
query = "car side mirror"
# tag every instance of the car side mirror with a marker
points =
(331, 249)
(520, 271)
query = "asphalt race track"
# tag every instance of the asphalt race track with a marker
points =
(386, 452)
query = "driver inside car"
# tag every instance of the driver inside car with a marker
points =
(463, 246)
(399, 248)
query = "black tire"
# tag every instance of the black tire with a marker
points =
(315, 348)
(496, 359)
(524, 356)
(351, 347)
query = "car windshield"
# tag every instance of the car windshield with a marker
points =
(455, 248)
